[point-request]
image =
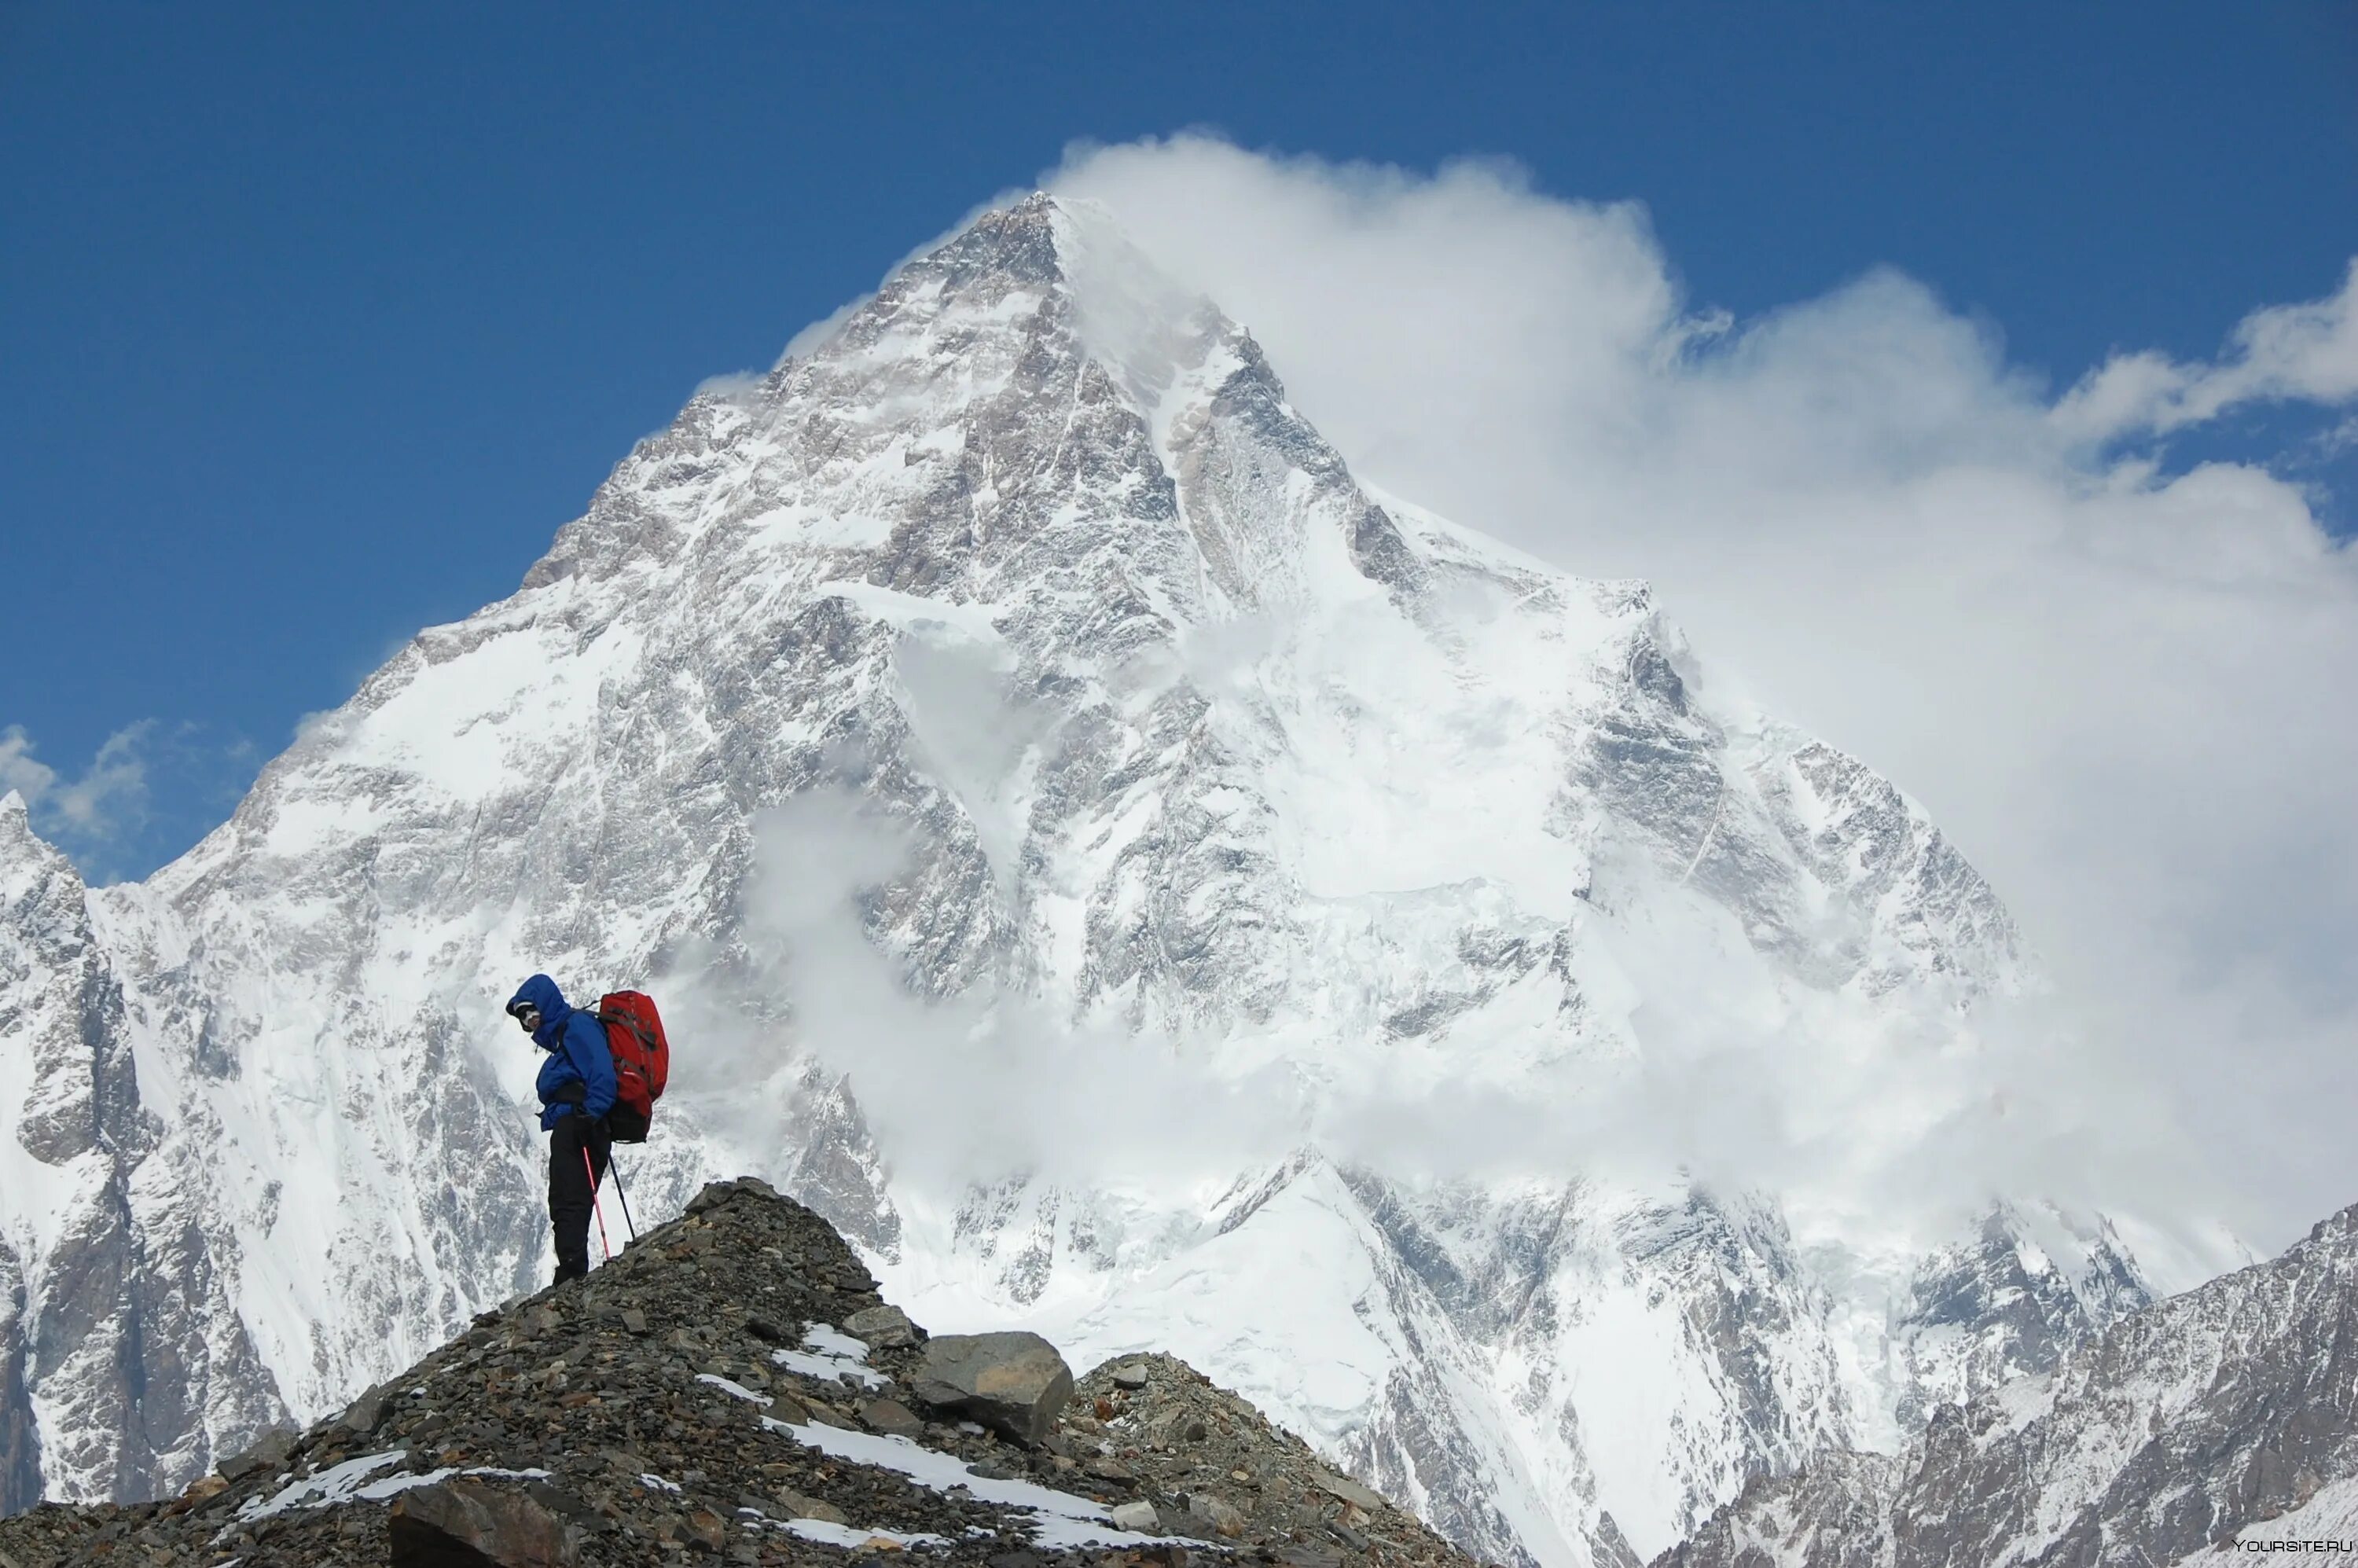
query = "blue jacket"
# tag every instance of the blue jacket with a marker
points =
(578, 1055)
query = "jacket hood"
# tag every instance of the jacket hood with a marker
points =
(542, 993)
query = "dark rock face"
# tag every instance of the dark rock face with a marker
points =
(692, 1399)
(2186, 1424)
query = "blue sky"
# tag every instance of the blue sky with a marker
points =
(316, 322)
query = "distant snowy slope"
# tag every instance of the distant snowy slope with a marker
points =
(2227, 1414)
(1179, 742)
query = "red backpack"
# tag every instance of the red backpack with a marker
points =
(634, 1033)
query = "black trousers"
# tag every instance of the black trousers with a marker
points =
(571, 1189)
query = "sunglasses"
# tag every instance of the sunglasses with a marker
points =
(527, 1015)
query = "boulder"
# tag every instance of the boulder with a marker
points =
(797, 1506)
(1140, 1515)
(463, 1523)
(362, 1416)
(886, 1327)
(891, 1418)
(1014, 1382)
(1350, 1491)
(269, 1451)
(1222, 1519)
(1130, 1378)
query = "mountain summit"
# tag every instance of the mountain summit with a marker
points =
(1083, 836)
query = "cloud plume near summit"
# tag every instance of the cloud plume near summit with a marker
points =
(2122, 685)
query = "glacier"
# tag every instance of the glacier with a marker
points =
(1135, 877)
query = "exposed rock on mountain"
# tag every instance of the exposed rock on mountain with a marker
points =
(2000, 1306)
(121, 1352)
(1193, 753)
(696, 1399)
(2227, 1414)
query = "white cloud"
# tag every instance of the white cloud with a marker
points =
(2331, 443)
(113, 792)
(19, 769)
(736, 387)
(975, 1083)
(2307, 351)
(2124, 690)
(108, 800)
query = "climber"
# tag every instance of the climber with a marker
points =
(577, 1089)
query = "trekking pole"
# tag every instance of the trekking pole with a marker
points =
(614, 1169)
(597, 1207)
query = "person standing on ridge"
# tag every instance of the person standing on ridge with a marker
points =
(576, 1090)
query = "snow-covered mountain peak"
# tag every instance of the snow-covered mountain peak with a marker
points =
(1010, 727)
(1038, 297)
(20, 846)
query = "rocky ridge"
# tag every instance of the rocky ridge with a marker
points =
(731, 1388)
(2220, 1422)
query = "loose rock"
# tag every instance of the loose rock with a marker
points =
(360, 1417)
(887, 1327)
(269, 1451)
(463, 1522)
(1350, 1491)
(891, 1418)
(1139, 1516)
(800, 1507)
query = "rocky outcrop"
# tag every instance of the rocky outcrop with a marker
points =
(700, 1395)
(1205, 1457)
(2191, 1424)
